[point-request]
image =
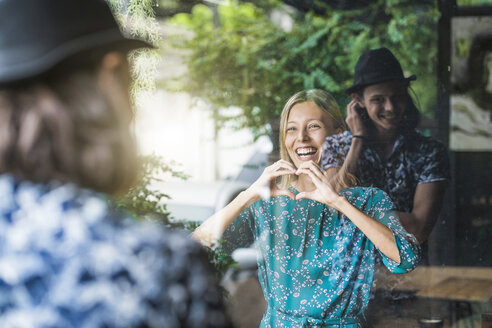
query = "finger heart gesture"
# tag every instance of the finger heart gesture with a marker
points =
(266, 185)
(324, 192)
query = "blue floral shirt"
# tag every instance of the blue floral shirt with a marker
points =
(415, 159)
(315, 267)
(68, 259)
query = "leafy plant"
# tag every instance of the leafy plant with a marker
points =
(247, 61)
(137, 18)
(145, 203)
(474, 2)
(221, 260)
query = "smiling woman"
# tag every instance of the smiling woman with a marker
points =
(307, 118)
(305, 133)
(316, 247)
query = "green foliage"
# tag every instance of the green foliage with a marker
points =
(165, 8)
(137, 19)
(474, 2)
(144, 202)
(463, 47)
(220, 259)
(246, 61)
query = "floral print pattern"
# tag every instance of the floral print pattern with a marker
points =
(315, 267)
(68, 259)
(415, 159)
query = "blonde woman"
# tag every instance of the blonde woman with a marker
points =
(316, 246)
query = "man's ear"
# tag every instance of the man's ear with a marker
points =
(112, 60)
(115, 63)
(114, 80)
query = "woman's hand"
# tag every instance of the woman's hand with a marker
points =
(354, 120)
(324, 192)
(210, 231)
(266, 185)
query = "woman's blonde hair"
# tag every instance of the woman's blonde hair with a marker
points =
(327, 104)
(69, 127)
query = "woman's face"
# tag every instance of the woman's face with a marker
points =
(306, 129)
(385, 104)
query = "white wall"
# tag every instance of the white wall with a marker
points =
(168, 124)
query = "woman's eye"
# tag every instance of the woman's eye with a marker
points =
(291, 129)
(314, 126)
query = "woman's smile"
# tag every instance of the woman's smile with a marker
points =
(306, 153)
(307, 127)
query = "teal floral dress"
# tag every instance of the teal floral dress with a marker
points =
(315, 267)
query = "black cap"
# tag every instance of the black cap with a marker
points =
(377, 66)
(35, 35)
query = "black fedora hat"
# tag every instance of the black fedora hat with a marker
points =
(377, 66)
(36, 35)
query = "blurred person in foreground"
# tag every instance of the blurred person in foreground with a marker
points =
(68, 258)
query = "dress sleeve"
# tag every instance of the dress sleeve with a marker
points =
(382, 208)
(335, 149)
(240, 232)
(436, 164)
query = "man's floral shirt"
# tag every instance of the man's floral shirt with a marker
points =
(69, 259)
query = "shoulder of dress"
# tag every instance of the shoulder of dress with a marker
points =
(356, 191)
(364, 192)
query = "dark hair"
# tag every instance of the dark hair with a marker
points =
(68, 127)
(411, 116)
